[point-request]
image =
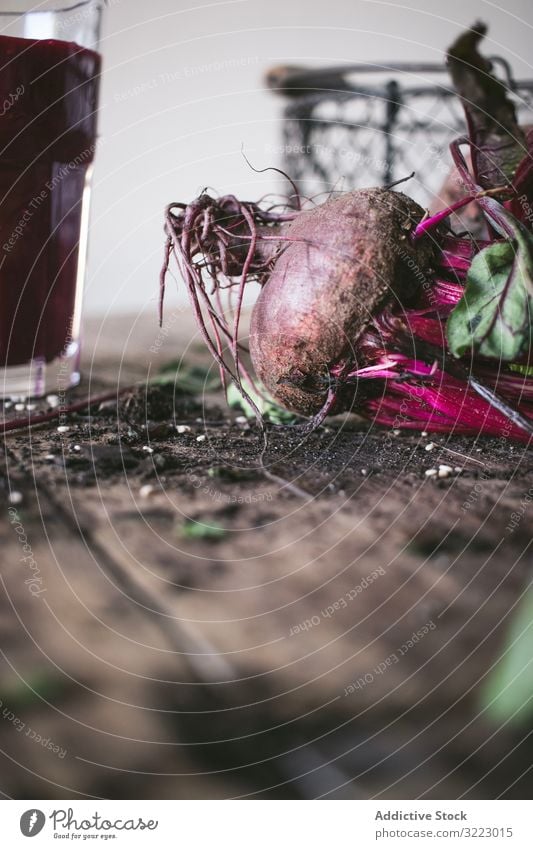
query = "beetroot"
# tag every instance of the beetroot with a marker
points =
(340, 267)
(368, 304)
(355, 296)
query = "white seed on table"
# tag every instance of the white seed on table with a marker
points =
(52, 400)
(146, 491)
(31, 407)
(363, 471)
(108, 405)
(430, 446)
(50, 457)
(182, 428)
(15, 497)
(63, 429)
(148, 449)
(424, 433)
(241, 420)
(77, 448)
(431, 473)
(396, 432)
(20, 407)
(201, 438)
(444, 471)
(458, 469)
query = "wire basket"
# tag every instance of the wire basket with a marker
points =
(339, 134)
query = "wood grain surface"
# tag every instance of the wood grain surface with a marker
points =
(328, 635)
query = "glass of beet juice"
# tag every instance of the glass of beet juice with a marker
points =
(49, 78)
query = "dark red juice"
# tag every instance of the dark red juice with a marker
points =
(48, 103)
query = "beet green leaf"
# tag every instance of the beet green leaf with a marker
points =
(494, 317)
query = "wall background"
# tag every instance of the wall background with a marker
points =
(182, 93)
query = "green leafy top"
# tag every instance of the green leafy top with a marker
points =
(494, 317)
(497, 142)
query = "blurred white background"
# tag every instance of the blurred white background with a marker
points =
(183, 93)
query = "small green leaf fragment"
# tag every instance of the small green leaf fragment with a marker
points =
(527, 371)
(188, 379)
(265, 403)
(199, 530)
(36, 686)
(237, 402)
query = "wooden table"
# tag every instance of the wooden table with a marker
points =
(328, 634)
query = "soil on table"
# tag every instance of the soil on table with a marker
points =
(209, 627)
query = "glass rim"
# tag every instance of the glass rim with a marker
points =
(57, 10)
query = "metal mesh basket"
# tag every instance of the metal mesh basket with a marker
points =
(339, 134)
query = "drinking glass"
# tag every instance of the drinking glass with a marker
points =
(49, 79)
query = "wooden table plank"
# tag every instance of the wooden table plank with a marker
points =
(287, 636)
